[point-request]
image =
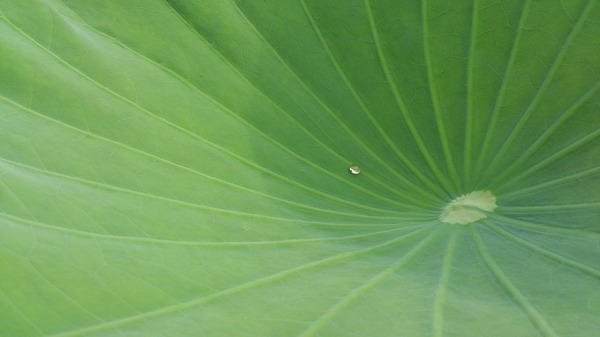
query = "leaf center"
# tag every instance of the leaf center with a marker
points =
(468, 208)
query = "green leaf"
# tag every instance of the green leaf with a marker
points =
(181, 168)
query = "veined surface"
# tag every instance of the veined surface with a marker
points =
(181, 168)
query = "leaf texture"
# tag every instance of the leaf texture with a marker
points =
(181, 168)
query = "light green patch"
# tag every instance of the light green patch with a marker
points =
(469, 208)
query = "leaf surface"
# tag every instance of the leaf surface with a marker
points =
(181, 168)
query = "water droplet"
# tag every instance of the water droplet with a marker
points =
(354, 169)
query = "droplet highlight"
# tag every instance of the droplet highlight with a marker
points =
(354, 169)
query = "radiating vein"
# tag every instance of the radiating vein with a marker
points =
(189, 25)
(113, 188)
(435, 100)
(548, 254)
(470, 97)
(557, 181)
(257, 130)
(489, 133)
(218, 244)
(440, 296)
(536, 318)
(351, 88)
(515, 131)
(163, 160)
(551, 208)
(330, 313)
(202, 140)
(405, 113)
(549, 160)
(341, 122)
(344, 302)
(553, 128)
(542, 228)
(166, 310)
(373, 154)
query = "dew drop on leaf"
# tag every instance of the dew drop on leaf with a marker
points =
(354, 169)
